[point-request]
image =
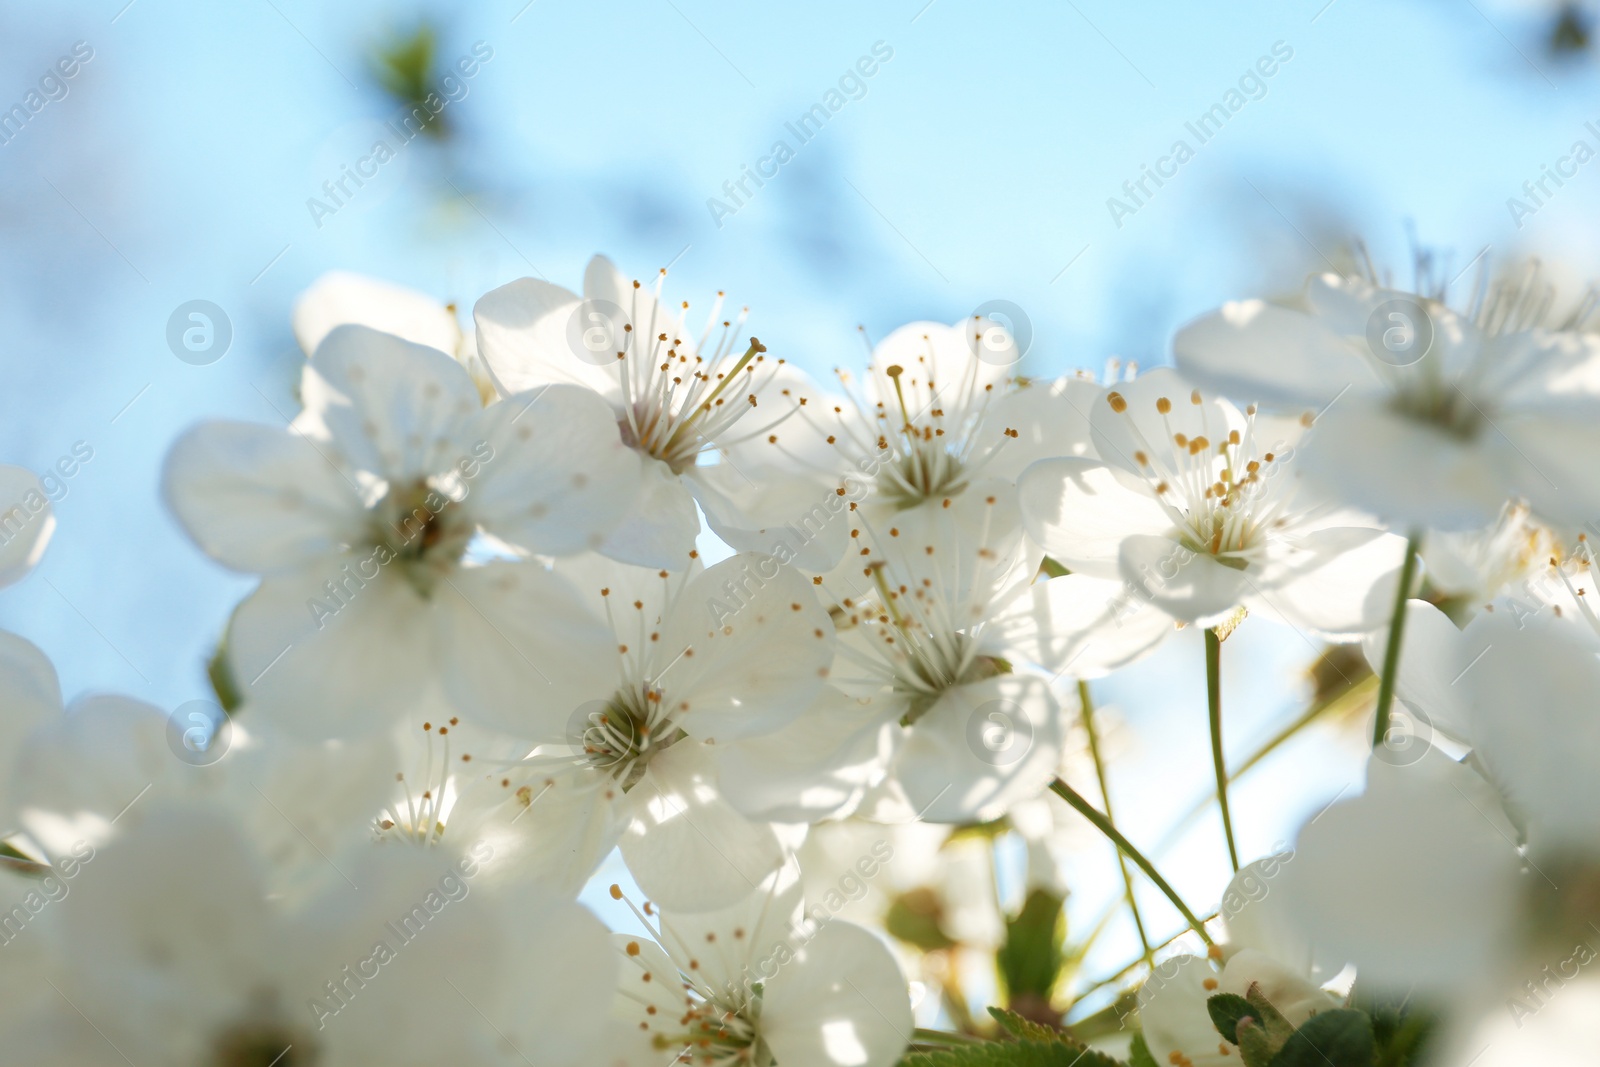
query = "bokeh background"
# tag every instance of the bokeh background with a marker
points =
(974, 165)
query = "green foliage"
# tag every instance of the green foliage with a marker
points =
(404, 68)
(913, 917)
(1340, 1038)
(1226, 1010)
(1027, 1044)
(222, 682)
(1053, 569)
(1139, 1053)
(1030, 959)
(1402, 1032)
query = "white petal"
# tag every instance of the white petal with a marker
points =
(1336, 583)
(340, 297)
(331, 675)
(1412, 883)
(260, 499)
(1286, 988)
(555, 477)
(1533, 725)
(386, 405)
(687, 847)
(26, 522)
(555, 1013)
(1172, 1013)
(980, 748)
(1088, 626)
(1051, 419)
(747, 648)
(1260, 352)
(526, 331)
(1191, 586)
(660, 526)
(1079, 512)
(522, 648)
(1434, 655)
(1548, 455)
(814, 768)
(1404, 471)
(800, 519)
(933, 356)
(80, 771)
(842, 1002)
(1257, 918)
(1141, 427)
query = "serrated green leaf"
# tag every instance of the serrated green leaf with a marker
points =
(1255, 1047)
(1013, 1054)
(1277, 1028)
(1226, 1010)
(1340, 1038)
(1024, 1029)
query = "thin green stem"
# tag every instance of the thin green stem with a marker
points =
(1101, 823)
(1086, 710)
(1397, 626)
(1337, 704)
(1214, 701)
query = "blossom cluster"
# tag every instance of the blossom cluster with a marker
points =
(591, 584)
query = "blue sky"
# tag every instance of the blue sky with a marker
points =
(976, 166)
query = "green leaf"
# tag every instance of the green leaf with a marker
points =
(1053, 568)
(221, 676)
(1255, 1047)
(1340, 1038)
(1030, 959)
(1139, 1053)
(1020, 1028)
(1401, 1030)
(1012, 1054)
(1271, 1020)
(1226, 1010)
(913, 917)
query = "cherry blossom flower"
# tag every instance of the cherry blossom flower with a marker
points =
(1425, 415)
(358, 517)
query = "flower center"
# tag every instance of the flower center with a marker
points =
(1217, 494)
(422, 531)
(676, 401)
(263, 1039)
(620, 735)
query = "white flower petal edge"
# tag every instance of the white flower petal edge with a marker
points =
(26, 522)
(341, 298)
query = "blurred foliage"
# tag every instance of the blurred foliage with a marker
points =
(1572, 32)
(404, 67)
(915, 918)
(1030, 960)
